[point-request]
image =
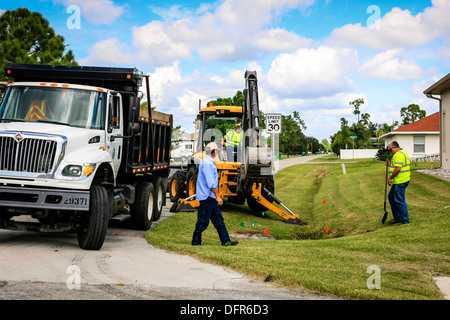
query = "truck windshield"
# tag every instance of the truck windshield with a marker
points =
(72, 107)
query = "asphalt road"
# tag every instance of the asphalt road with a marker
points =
(51, 266)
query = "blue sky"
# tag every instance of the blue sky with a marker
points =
(312, 56)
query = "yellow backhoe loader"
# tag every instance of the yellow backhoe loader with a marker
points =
(244, 166)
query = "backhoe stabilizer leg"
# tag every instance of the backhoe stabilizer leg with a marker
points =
(289, 217)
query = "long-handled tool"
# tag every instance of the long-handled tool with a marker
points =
(385, 193)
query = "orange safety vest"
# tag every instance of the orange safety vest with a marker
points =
(38, 110)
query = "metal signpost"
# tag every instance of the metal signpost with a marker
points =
(273, 126)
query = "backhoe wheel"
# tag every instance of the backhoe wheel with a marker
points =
(191, 181)
(159, 197)
(144, 207)
(177, 186)
(92, 231)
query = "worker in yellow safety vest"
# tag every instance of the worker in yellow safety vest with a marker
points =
(231, 142)
(400, 175)
(39, 110)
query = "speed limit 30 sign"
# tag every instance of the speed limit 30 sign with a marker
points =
(273, 122)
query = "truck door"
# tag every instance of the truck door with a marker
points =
(115, 128)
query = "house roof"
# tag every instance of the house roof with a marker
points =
(187, 136)
(425, 125)
(439, 86)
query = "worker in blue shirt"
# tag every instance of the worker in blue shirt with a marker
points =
(210, 200)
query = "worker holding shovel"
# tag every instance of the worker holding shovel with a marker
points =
(399, 178)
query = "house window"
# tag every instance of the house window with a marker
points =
(419, 144)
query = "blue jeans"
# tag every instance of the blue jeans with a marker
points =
(398, 203)
(209, 210)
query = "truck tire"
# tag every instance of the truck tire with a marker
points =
(159, 197)
(144, 207)
(92, 231)
(177, 186)
(191, 181)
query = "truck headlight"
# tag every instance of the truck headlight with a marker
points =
(75, 170)
(72, 171)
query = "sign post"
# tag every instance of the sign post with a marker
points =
(353, 140)
(273, 126)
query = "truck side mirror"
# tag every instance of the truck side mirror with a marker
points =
(134, 108)
(136, 127)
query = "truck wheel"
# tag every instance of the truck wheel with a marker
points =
(144, 207)
(92, 231)
(191, 181)
(159, 197)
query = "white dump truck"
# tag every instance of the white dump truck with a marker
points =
(77, 150)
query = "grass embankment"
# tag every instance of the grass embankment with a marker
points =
(334, 262)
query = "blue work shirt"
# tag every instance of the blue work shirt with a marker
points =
(207, 179)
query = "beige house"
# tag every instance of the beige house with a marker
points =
(419, 139)
(442, 89)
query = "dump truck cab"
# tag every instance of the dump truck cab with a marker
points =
(66, 130)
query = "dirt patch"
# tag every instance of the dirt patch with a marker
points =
(251, 235)
(319, 172)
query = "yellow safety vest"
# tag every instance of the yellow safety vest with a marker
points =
(401, 159)
(233, 138)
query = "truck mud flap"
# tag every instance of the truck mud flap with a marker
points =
(39, 198)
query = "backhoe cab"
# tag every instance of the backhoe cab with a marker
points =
(244, 163)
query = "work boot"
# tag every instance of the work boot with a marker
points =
(394, 221)
(230, 243)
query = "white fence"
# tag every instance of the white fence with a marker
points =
(358, 153)
(426, 158)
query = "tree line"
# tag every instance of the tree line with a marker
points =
(368, 133)
(292, 140)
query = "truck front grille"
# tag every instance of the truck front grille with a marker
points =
(29, 155)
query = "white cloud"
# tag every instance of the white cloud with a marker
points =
(437, 14)
(280, 40)
(165, 82)
(386, 65)
(96, 11)
(156, 45)
(398, 29)
(109, 52)
(232, 31)
(310, 73)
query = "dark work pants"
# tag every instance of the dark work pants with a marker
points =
(209, 210)
(397, 201)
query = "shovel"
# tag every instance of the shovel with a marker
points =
(385, 192)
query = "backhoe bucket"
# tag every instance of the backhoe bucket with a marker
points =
(289, 216)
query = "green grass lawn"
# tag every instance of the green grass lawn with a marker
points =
(333, 262)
